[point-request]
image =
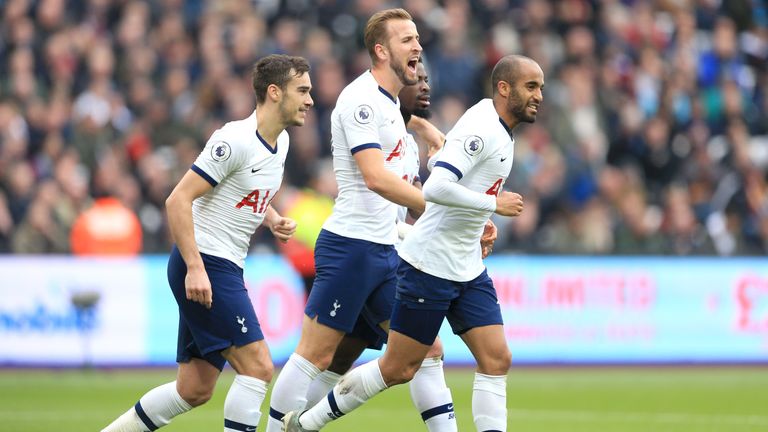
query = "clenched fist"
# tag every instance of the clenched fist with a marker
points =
(509, 204)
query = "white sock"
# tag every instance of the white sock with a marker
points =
(356, 387)
(489, 402)
(243, 403)
(128, 422)
(321, 385)
(154, 410)
(432, 397)
(290, 390)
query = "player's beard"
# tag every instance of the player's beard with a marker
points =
(519, 108)
(398, 69)
(424, 113)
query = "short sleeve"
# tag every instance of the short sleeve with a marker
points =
(218, 159)
(360, 122)
(461, 152)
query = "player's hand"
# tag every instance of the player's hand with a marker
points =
(283, 229)
(198, 287)
(489, 237)
(426, 133)
(509, 204)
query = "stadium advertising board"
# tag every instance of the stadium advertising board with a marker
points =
(620, 310)
(556, 310)
(39, 324)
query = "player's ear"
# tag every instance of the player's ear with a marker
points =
(503, 88)
(381, 52)
(274, 93)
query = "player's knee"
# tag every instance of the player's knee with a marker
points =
(262, 369)
(399, 374)
(197, 395)
(320, 355)
(267, 371)
(505, 361)
(321, 360)
(497, 363)
(407, 373)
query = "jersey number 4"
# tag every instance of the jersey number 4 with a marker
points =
(252, 200)
(494, 190)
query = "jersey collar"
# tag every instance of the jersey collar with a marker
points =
(506, 128)
(388, 95)
(263, 141)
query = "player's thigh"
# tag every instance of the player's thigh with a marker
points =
(196, 380)
(384, 325)
(489, 347)
(252, 360)
(318, 342)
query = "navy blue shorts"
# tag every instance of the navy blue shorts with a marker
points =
(354, 288)
(231, 320)
(419, 295)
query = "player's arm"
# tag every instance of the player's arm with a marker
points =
(282, 228)
(386, 183)
(416, 213)
(427, 134)
(442, 187)
(179, 209)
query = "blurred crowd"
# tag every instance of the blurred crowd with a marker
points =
(652, 138)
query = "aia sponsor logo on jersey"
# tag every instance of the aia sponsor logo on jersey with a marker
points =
(397, 152)
(252, 200)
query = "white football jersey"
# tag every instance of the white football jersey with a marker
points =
(245, 173)
(366, 116)
(411, 166)
(445, 241)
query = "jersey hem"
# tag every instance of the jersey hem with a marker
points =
(361, 237)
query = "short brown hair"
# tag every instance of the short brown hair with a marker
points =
(376, 29)
(276, 69)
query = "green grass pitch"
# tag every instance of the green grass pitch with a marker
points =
(539, 399)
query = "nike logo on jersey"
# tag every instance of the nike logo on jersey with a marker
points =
(255, 170)
(503, 159)
(392, 121)
(250, 429)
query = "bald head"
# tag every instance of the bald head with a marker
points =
(518, 83)
(509, 69)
